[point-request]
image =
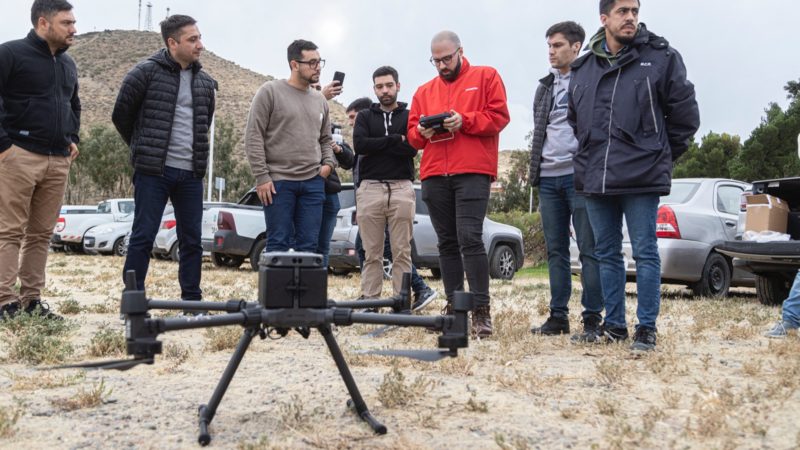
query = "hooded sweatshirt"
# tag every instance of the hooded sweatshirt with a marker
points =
(560, 144)
(378, 138)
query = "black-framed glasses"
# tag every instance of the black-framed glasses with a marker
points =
(446, 60)
(314, 63)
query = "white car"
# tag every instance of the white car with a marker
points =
(166, 243)
(110, 237)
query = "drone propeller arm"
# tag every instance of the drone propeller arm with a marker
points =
(230, 306)
(402, 320)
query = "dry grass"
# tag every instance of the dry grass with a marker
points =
(107, 341)
(713, 381)
(9, 415)
(84, 398)
(34, 339)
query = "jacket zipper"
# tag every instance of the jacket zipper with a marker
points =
(652, 108)
(610, 122)
(57, 109)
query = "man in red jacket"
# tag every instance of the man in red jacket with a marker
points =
(459, 163)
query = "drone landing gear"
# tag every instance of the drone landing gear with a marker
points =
(207, 412)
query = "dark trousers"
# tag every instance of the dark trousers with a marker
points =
(295, 216)
(457, 206)
(151, 194)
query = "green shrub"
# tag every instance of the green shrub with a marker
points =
(532, 233)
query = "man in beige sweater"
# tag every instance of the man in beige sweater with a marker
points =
(288, 143)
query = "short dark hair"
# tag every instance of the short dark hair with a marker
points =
(607, 5)
(385, 70)
(571, 31)
(359, 104)
(296, 48)
(47, 9)
(171, 27)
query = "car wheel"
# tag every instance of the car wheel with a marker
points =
(119, 248)
(73, 248)
(175, 252)
(503, 263)
(715, 279)
(772, 289)
(222, 260)
(436, 273)
(255, 254)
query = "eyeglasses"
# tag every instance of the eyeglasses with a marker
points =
(444, 60)
(314, 63)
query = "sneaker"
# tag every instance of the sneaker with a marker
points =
(614, 334)
(38, 307)
(482, 322)
(9, 311)
(592, 331)
(780, 330)
(423, 298)
(552, 326)
(644, 340)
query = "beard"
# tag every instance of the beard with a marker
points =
(311, 79)
(388, 100)
(453, 74)
(60, 42)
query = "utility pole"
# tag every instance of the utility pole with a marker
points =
(167, 11)
(139, 22)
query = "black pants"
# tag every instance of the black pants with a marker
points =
(457, 206)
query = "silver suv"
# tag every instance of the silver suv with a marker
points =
(504, 244)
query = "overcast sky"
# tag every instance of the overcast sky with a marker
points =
(739, 53)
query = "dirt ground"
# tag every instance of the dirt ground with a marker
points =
(714, 382)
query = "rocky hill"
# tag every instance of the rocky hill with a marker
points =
(103, 59)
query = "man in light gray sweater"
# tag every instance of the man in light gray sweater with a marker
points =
(288, 143)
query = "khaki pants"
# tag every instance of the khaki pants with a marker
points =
(377, 203)
(31, 191)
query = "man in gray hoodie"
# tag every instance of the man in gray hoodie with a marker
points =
(552, 149)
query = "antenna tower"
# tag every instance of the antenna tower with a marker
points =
(148, 21)
(139, 22)
(167, 11)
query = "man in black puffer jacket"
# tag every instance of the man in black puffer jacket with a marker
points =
(163, 111)
(633, 112)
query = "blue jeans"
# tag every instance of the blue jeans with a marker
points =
(417, 283)
(151, 193)
(559, 204)
(791, 306)
(605, 215)
(295, 215)
(330, 210)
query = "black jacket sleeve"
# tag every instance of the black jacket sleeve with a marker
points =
(129, 100)
(6, 61)
(680, 106)
(392, 144)
(346, 157)
(75, 103)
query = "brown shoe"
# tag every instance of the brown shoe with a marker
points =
(482, 322)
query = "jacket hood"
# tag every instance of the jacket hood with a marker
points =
(387, 115)
(596, 45)
(163, 58)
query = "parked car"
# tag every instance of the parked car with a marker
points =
(235, 233)
(165, 245)
(696, 217)
(774, 264)
(110, 237)
(70, 212)
(504, 245)
(70, 235)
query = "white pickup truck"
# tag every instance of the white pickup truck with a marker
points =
(236, 232)
(71, 228)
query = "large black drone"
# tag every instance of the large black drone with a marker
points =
(292, 295)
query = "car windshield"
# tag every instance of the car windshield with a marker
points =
(681, 192)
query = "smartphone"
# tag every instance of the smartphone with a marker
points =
(339, 76)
